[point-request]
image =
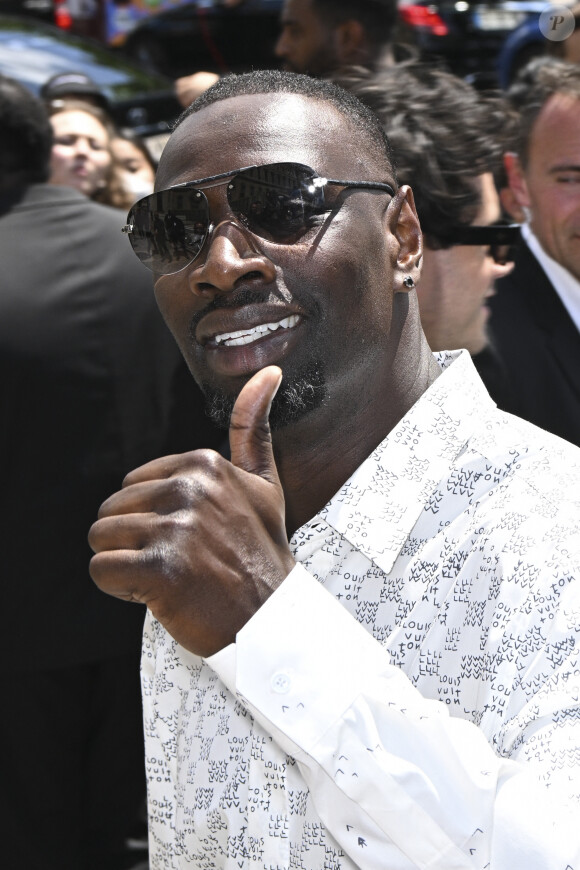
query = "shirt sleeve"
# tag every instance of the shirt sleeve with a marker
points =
(397, 781)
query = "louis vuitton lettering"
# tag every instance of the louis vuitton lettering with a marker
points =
(410, 695)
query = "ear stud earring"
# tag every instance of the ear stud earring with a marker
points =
(408, 282)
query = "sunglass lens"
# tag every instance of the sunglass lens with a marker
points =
(169, 229)
(276, 201)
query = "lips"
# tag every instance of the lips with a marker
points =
(232, 326)
(239, 341)
(250, 334)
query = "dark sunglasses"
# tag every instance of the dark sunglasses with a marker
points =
(499, 238)
(278, 202)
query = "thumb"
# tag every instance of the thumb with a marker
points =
(250, 436)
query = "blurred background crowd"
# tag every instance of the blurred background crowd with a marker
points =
(481, 103)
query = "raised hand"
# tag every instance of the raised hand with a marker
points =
(198, 539)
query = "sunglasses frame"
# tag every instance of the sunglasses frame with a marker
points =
(493, 236)
(318, 181)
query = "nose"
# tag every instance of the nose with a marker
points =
(280, 49)
(231, 259)
(82, 147)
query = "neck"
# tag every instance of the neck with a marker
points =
(316, 456)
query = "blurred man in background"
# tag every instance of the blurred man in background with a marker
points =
(320, 36)
(447, 142)
(88, 369)
(536, 313)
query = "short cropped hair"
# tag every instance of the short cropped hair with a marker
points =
(361, 118)
(535, 83)
(444, 134)
(378, 17)
(25, 136)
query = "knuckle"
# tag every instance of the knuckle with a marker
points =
(194, 483)
(186, 490)
(98, 570)
(105, 510)
(204, 459)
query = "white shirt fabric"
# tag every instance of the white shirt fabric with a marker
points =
(563, 282)
(410, 695)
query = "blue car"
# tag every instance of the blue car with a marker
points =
(31, 52)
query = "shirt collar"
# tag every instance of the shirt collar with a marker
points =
(563, 282)
(378, 506)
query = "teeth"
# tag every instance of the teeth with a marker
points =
(246, 336)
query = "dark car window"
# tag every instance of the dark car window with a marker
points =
(32, 53)
(193, 37)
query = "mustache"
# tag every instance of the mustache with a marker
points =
(236, 299)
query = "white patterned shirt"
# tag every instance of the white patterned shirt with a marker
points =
(410, 695)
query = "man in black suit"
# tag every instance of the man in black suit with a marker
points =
(536, 313)
(87, 371)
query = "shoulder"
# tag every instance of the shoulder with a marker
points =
(526, 279)
(535, 461)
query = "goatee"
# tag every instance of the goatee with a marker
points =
(297, 396)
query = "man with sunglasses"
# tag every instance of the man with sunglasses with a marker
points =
(361, 647)
(536, 314)
(447, 141)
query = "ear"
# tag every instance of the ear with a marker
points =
(350, 42)
(405, 228)
(516, 179)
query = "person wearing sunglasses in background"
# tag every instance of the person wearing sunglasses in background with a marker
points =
(535, 322)
(447, 139)
(361, 643)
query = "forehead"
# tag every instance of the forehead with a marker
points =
(266, 128)
(125, 149)
(78, 121)
(299, 11)
(556, 131)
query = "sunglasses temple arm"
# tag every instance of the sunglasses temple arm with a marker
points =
(364, 185)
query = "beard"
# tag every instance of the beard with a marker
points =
(299, 394)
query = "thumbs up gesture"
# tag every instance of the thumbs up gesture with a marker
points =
(199, 539)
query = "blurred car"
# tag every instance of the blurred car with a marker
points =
(467, 34)
(43, 9)
(199, 36)
(139, 100)
(522, 45)
(528, 43)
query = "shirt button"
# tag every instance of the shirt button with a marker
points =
(280, 683)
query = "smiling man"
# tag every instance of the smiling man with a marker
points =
(361, 648)
(542, 295)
